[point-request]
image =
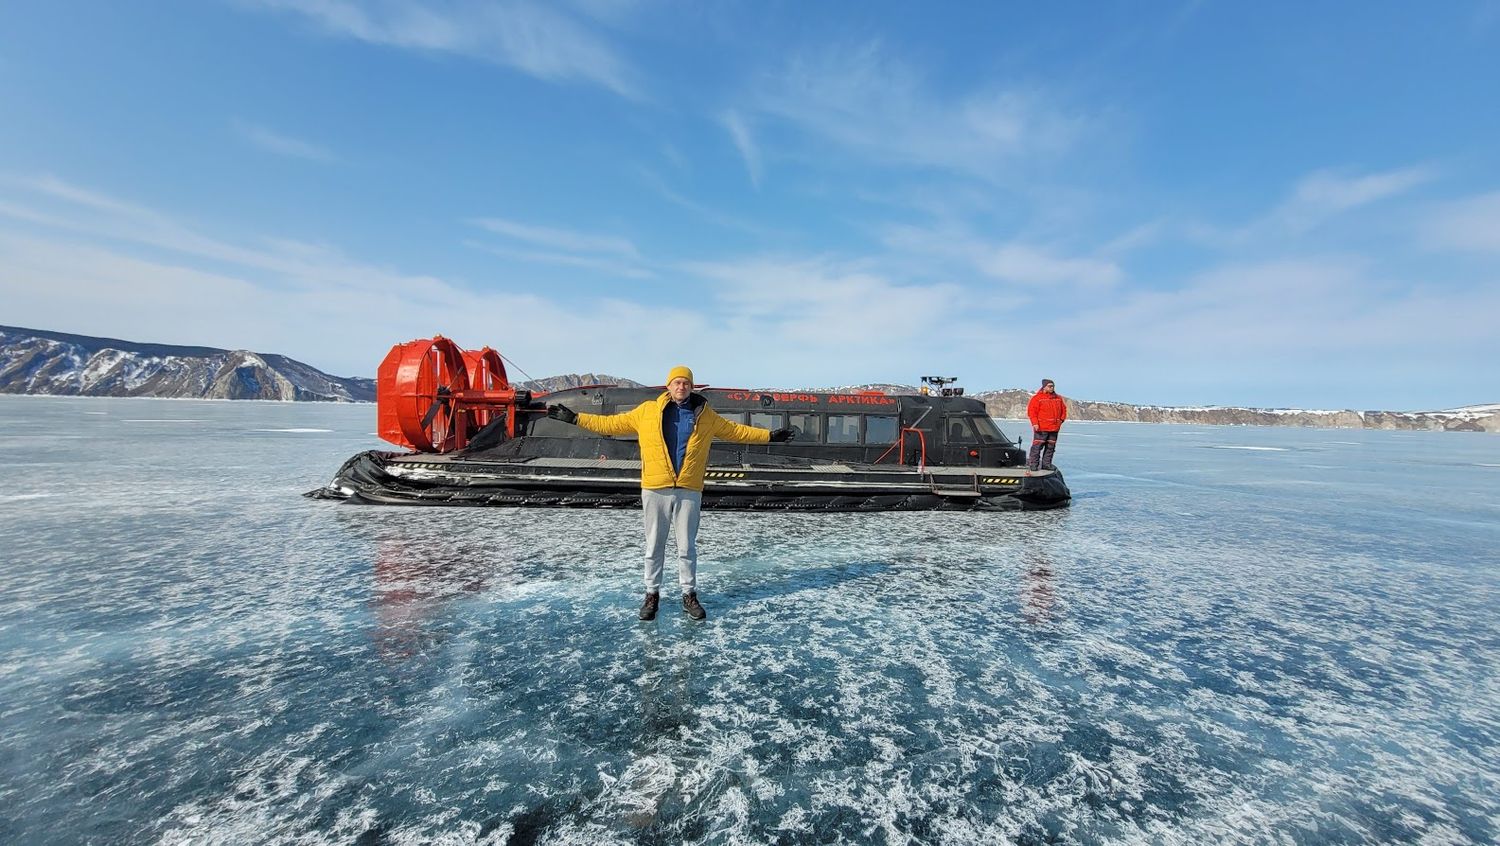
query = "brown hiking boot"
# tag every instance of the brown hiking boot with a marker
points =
(692, 606)
(648, 608)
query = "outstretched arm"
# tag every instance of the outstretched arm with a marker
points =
(739, 433)
(601, 424)
(609, 424)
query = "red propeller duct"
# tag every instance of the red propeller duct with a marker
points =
(432, 396)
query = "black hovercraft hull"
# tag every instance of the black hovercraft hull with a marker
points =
(859, 452)
(402, 479)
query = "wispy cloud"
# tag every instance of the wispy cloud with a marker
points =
(603, 265)
(29, 215)
(113, 268)
(538, 39)
(51, 186)
(101, 289)
(1137, 237)
(1015, 262)
(870, 102)
(563, 239)
(1299, 327)
(1316, 200)
(1470, 225)
(88, 213)
(1325, 194)
(281, 145)
(608, 254)
(1030, 265)
(743, 142)
(806, 305)
(1329, 327)
(703, 211)
(1246, 307)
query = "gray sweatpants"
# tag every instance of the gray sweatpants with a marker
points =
(678, 508)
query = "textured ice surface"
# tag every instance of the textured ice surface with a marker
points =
(1291, 644)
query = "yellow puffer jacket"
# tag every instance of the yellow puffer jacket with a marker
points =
(656, 465)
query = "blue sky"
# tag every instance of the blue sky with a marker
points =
(1268, 204)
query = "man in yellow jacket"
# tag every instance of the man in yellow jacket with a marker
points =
(674, 431)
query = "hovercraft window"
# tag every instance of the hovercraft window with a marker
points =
(808, 427)
(843, 428)
(961, 431)
(988, 431)
(766, 420)
(880, 430)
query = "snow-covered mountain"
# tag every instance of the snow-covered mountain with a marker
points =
(35, 361)
(576, 380)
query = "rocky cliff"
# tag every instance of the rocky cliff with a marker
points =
(34, 361)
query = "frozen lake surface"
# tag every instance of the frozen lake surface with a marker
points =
(1234, 635)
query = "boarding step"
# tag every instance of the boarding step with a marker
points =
(954, 491)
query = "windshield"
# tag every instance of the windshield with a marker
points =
(988, 432)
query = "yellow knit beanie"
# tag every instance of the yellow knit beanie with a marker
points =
(680, 370)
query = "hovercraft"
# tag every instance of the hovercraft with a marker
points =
(471, 438)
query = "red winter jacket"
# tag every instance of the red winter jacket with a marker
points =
(1047, 411)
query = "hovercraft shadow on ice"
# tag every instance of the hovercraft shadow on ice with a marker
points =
(476, 440)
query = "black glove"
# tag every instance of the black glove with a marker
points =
(563, 413)
(781, 435)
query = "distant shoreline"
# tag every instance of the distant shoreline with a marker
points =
(192, 399)
(1020, 422)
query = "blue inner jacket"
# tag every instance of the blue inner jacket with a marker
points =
(676, 427)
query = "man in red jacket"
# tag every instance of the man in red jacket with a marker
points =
(1047, 411)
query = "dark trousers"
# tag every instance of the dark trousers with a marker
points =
(1043, 444)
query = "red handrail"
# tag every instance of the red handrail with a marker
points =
(901, 445)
